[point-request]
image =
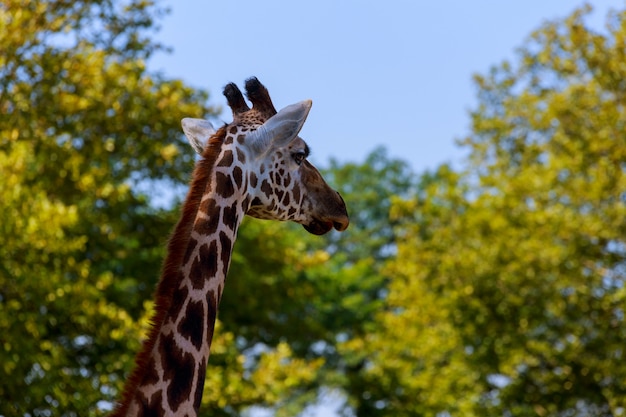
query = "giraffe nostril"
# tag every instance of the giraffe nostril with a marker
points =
(342, 224)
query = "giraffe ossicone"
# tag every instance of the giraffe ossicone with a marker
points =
(254, 166)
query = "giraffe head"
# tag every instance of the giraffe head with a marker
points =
(267, 161)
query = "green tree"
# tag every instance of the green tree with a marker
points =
(82, 124)
(516, 266)
(413, 359)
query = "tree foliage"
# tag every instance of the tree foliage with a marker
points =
(510, 296)
(83, 122)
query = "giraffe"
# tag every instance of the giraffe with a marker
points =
(256, 166)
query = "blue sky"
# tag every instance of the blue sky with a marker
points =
(395, 72)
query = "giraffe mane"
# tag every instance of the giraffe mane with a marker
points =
(176, 247)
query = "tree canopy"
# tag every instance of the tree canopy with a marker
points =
(496, 288)
(82, 123)
(508, 296)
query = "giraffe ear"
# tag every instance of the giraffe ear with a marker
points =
(280, 129)
(198, 132)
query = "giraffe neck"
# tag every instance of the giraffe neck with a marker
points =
(176, 369)
(170, 370)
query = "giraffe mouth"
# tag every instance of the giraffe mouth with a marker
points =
(320, 227)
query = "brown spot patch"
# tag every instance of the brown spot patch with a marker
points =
(254, 180)
(229, 216)
(296, 193)
(208, 226)
(241, 156)
(192, 324)
(179, 372)
(205, 266)
(151, 376)
(279, 194)
(179, 296)
(197, 397)
(266, 188)
(226, 160)
(211, 315)
(195, 275)
(152, 407)
(224, 185)
(190, 248)
(245, 204)
(208, 206)
(227, 246)
(238, 176)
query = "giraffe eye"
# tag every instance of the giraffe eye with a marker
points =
(299, 157)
